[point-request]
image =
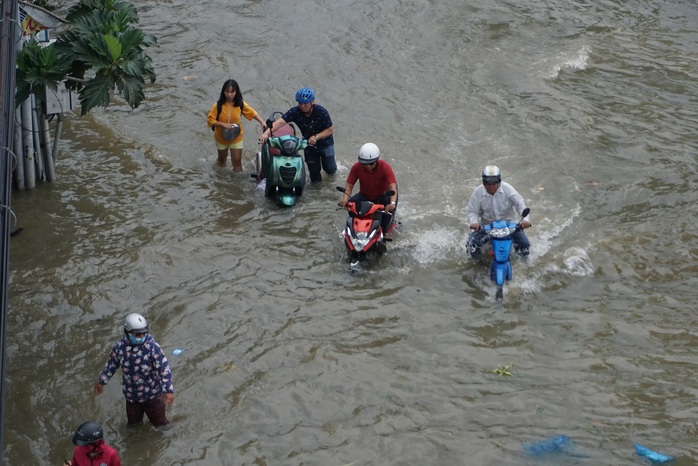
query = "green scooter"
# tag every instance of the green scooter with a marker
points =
(280, 165)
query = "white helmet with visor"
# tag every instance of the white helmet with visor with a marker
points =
(491, 175)
(369, 153)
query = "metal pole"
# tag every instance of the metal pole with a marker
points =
(59, 127)
(46, 146)
(19, 154)
(8, 58)
(35, 132)
(28, 140)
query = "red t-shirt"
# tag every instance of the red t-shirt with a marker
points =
(107, 458)
(372, 184)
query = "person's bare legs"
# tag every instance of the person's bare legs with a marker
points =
(222, 155)
(236, 156)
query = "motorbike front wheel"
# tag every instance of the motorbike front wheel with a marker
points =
(499, 296)
(500, 272)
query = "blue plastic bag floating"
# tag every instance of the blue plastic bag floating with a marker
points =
(177, 351)
(557, 444)
(653, 456)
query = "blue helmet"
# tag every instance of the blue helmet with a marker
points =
(305, 95)
(491, 175)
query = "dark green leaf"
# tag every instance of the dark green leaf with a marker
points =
(131, 88)
(96, 93)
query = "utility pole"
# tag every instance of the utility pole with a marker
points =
(10, 31)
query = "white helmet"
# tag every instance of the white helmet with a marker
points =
(369, 153)
(135, 323)
(491, 175)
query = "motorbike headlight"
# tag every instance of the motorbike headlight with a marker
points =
(360, 241)
(501, 232)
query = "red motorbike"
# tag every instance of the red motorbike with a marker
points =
(364, 233)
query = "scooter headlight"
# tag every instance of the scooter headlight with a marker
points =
(501, 232)
(361, 240)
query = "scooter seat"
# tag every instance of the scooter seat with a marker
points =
(285, 130)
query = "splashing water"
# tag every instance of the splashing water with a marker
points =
(575, 62)
(577, 263)
(435, 245)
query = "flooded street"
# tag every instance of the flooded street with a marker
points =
(287, 357)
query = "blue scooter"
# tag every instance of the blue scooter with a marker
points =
(500, 233)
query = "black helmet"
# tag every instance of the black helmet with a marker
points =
(88, 432)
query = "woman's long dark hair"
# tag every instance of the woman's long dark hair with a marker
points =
(237, 100)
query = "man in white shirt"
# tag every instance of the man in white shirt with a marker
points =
(495, 200)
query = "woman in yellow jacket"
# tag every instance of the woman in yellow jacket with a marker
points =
(224, 119)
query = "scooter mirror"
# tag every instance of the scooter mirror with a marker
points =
(270, 121)
(389, 192)
(340, 189)
(525, 212)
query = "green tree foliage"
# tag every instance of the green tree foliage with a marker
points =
(38, 68)
(102, 52)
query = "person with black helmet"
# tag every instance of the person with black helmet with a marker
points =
(147, 378)
(494, 200)
(316, 127)
(375, 177)
(90, 448)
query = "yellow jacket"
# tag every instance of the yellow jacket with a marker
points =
(229, 114)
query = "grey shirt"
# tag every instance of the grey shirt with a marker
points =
(506, 204)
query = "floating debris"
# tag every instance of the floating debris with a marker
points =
(653, 456)
(503, 371)
(226, 367)
(558, 445)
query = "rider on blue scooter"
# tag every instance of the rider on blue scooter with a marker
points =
(495, 200)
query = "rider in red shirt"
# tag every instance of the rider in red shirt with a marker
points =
(90, 449)
(375, 177)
